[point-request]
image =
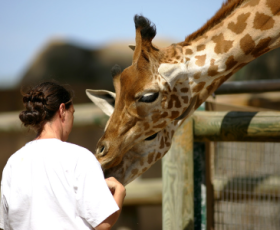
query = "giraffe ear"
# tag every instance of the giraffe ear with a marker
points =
(104, 99)
(173, 73)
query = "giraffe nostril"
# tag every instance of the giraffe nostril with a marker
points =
(102, 149)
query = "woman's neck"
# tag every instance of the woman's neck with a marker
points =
(50, 130)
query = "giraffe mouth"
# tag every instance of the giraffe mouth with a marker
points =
(151, 137)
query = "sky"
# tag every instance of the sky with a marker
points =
(26, 26)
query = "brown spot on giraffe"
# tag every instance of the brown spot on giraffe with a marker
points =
(164, 115)
(134, 172)
(174, 98)
(167, 87)
(174, 89)
(263, 22)
(221, 80)
(214, 85)
(201, 47)
(200, 60)
(165, 139)
(138, 135)
(197, 75)
(167, 134)
(151, 157)
(151, 132)
(178, 57)
(158, 156)
(146, 126)
(222, 45)
(247, 44)
(160, 126)
(252, 3)
(240, 25)
(185, 99)
(225, 78)
(174, 114)
(141, 162)
(161, 143)
(230, 62)
(184, 90)
(188, 51)
(198, 87)
(155, 117)
(168, 144)
(213, 69)
(261, 47)
(144, 169)
(274, 6)
(210, 88)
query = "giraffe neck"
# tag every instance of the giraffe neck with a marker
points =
(197, 67)
(247, 32)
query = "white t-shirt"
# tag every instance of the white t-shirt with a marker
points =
(50, 184)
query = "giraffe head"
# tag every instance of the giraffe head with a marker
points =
(141, 156)
(146, 98)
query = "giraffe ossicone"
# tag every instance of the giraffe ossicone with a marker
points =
(162, 87)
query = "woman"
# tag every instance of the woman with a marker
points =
(52, 184)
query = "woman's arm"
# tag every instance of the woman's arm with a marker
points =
(118, 192)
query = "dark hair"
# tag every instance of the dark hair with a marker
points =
(42, 102)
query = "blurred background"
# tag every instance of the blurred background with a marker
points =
(77, 43)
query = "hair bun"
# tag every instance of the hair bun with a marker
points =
(34, 96)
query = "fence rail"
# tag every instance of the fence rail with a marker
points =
(259, 86)
(237, 126)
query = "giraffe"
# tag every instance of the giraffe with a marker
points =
(163, 87)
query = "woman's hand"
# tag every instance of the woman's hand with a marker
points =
(115, 186)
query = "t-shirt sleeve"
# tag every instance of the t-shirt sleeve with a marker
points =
(4, 207)
(94, 200)
(1, 214)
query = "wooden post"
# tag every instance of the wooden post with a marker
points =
(178, 181)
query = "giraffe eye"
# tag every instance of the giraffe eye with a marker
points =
(151, 137)
(149, 97)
